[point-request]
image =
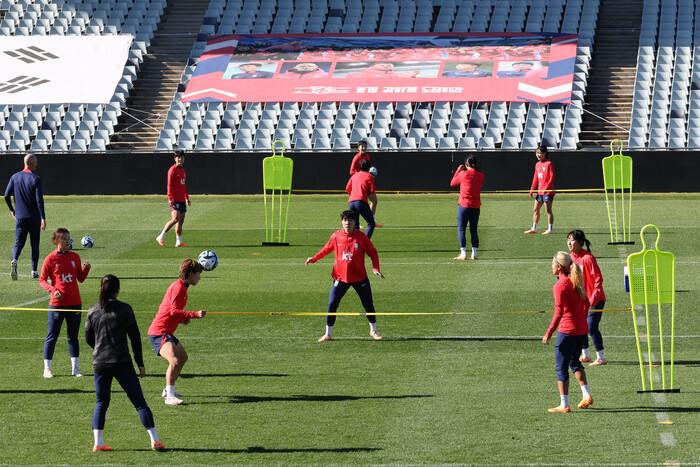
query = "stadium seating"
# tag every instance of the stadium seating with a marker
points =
(403, 125)
(406, 125)
(75, 127)
(667, 84)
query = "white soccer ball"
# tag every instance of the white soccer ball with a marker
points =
(70, 246)
(208, 260)
(87, 241)
(373, 171)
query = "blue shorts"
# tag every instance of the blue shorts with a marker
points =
(544, 198)
(158, 341)
(179, 206)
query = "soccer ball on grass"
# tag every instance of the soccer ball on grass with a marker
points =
(87, 241)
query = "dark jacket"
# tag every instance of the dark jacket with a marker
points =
(106, 330)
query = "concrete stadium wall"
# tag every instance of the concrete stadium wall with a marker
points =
(241, 173)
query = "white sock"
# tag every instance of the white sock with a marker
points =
(74, 361)
(152, 434)
(47, 364)
(34, 272)
(463, 251)
(600, 355)
(584, 390)
(178, 239)
(473, 251)
(551, 227)
(373, 327)
(162, 234)
(585, 353)
(98, 437)
(564, 400)
(169, 392)
(534, 226)
(329, 330)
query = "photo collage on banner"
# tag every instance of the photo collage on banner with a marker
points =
(525, 67)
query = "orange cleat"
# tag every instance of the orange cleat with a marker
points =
(560, 409)
(474, 257)
(599, 361)
(531, 231)
(157, 446)
(160, 241)
(325, 338)
(104, 447)
(585, 402)
(181, 244)
(584, 359)
(379, 225)
(375, 335)
(548, 232)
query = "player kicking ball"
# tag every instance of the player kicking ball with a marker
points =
(350, 246)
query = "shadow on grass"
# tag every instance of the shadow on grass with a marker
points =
(303, 398)
(465, 338)
(222, 375)
(45, 391)
(646, 409)
(262, 450)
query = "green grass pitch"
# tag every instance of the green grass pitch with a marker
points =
(439, 389)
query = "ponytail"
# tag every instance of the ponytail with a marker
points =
(109, 287)
(580, 237)
(572, 270)
(471, 162)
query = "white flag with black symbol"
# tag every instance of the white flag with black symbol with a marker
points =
(61, 69)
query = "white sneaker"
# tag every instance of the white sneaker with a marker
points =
(165, 393)
(76, 372)
(173, 401)
(47, 373)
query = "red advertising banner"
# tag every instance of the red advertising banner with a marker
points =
(523, 67)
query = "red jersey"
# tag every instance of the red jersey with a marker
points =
(350, 249)
(592, 278)
(65, 270)
(469, 182)
(355, 164)
(177, 189)
(292, 74)
(543, 181)
(570, 310)
(359, 186)
(171, 311)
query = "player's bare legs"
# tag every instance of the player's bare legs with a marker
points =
(176, 357)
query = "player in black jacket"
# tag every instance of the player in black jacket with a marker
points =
(108, 324)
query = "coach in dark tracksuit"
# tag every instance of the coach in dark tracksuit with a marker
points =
(25, 187)
(107, 326)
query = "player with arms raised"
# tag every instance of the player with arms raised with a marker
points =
(349, 246)
(170, 314)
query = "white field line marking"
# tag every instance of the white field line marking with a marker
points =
(40, 299)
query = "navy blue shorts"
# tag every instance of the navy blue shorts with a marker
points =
(179, 206)
(544, 198)
(158, 341)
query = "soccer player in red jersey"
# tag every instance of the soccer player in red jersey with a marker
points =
(177, 197)
(543, 182)
(593, 280)
(570, 308)
(361, 155)
(382, 70)
(469, 180)
(349, 246)
(64, 270)
(360, 187)
(170, 314)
